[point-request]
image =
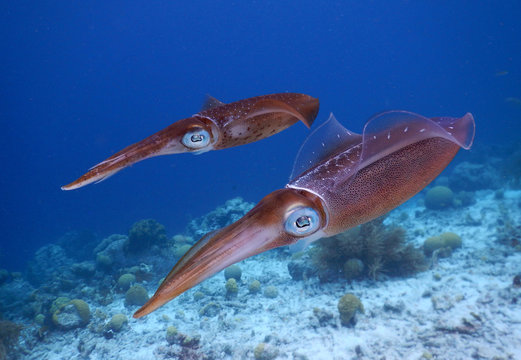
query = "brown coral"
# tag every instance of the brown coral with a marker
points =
(381, 248)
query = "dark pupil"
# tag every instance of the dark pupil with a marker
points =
(303, 221)
(197, 138)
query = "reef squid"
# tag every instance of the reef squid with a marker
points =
(340, 179)
(217, 126)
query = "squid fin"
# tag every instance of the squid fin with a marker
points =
(210, 102)
(326, 140)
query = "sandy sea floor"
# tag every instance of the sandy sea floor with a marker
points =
(463, 307)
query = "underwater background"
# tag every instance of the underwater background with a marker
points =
(82, 80)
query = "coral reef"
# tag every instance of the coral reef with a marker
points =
(47, 264)
(171, 334)
(511, 169)
(78, 244)
(180, 250)
(254, 287)
(439, 198)
(271, 292)
(348, 306)
(300, 266)
(9, 334)
(265, 351)
(231, 288)
(110, 251)
(233, 272)
(75, 313)
(446, 240)
(353, 269)
(117, 322)
(211, 309)
(378, 247)
(508, 230)
(84, 269)
(144, 234)
(4, 276)
(471, 177)
(224, 215)
(125, 281)
(136, 295)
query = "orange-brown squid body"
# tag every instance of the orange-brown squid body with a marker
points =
(217, 126)
(345, 180)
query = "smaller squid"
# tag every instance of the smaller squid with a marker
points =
(340, 179)
(217, 126)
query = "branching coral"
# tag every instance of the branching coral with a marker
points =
(380, 248)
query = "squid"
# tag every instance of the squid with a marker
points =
(340, 179)
(217, 126)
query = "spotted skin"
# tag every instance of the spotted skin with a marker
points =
(226, 125)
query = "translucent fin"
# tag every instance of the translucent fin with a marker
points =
(326, 140)
(211, 102)
(461, 130)
(387, 132)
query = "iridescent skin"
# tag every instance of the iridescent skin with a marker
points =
(227, 125)
(398, 154)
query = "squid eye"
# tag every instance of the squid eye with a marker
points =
(196, 139)
(302, 221)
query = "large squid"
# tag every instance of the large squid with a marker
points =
(217, 126)
(343, 180)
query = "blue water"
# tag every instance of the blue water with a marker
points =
(81, 80)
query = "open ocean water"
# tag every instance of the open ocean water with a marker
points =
(82, 80)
